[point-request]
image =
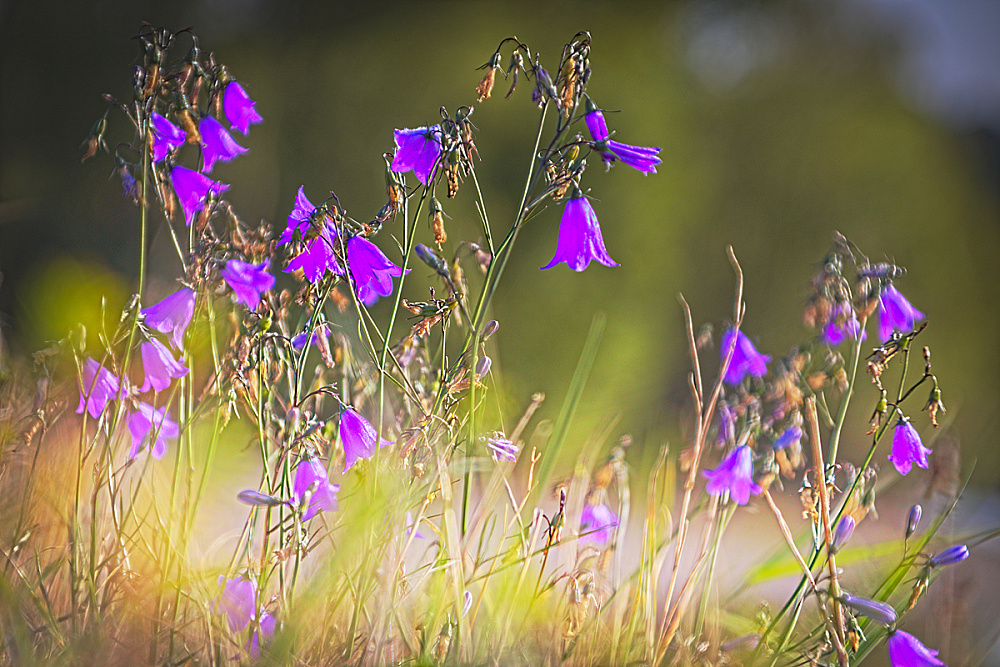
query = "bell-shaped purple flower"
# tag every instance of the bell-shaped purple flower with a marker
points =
(298, 220)
(299, 340)
(192, 190)
(312, 485)
(172, 315)
(358, 437)
(417, 149)
(746, 359)
(950, 556)
(735, 475)
(907, 448)
(789, 437)
(238, 601)
(895, 313)
(580, 238)
(160, 366)
(643, 158)
(597, 524)
(248, 280)
(318, 255)
(239, 108)
(905, 650)
(873, 609)
(371, 270)
(217, 143)
(149, 425)
(166, 136)
(262, 634)
(501, 447)
(98, 386)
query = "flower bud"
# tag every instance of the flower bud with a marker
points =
(437, 222)
(483, 367)
(256, 498)
(913, 520)
(489, 329)
(950, 556)
(842, 533)
(873, 609)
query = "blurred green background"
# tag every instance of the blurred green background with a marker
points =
(779, 123)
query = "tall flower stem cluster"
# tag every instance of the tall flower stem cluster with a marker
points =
(383, 513)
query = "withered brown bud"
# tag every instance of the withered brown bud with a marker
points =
(485, 87)
(190, 127)
(437, 222)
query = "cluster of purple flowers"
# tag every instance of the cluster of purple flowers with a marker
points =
(238, 601)
(193, 188)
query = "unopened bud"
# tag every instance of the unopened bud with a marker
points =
(950, 556)
(842, 533)
(489, 329)
(437, 222)
(913, 520)
(873, 609)
(256, 498)
(483, 367)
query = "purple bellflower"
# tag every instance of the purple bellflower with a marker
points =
(318, 255)
(950, 556)
(643, 158)
(238, 601)
(597, 524)
(746, 359)
(217, 143)
(791, 436)
(358, 437)
(311, 474)
(735, 475)
(172, 315)
(501, 447)
(842, 533)
(580, 238)
(160, 366)
(873, 609)
(371, 269)
(843, 325)
(248, 280)
(192, 190)
(299, 340)
(907, 448)
(262, 634)
(149, 425)
(166, 136)
(97, 388)
(905, 650)
(239, 108)
(895, 313)
(417, 149)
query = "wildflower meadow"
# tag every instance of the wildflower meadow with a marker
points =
(293, 443)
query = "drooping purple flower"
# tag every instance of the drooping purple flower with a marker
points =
(192, 190)
(239, 108)
(643, 158)
(160, 366)
(580, 238)
(895, 313)
(248, 280)
(746, 359)
(298, 219)
(417, 149)
(843, 324)
(358, 437)
(789, 437)
(907, 448)
(597, 523)
(149, 425)
(371, 270)
(166, 136)
(311, 474)
(905, 650)
(98, 386)
(238, 601)
(217, 143)
(950, 556)
(262, 634)
(735, 475)
(299, 340)
(318, 255)
(873, 609)
(172, 315)
(501, 447)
